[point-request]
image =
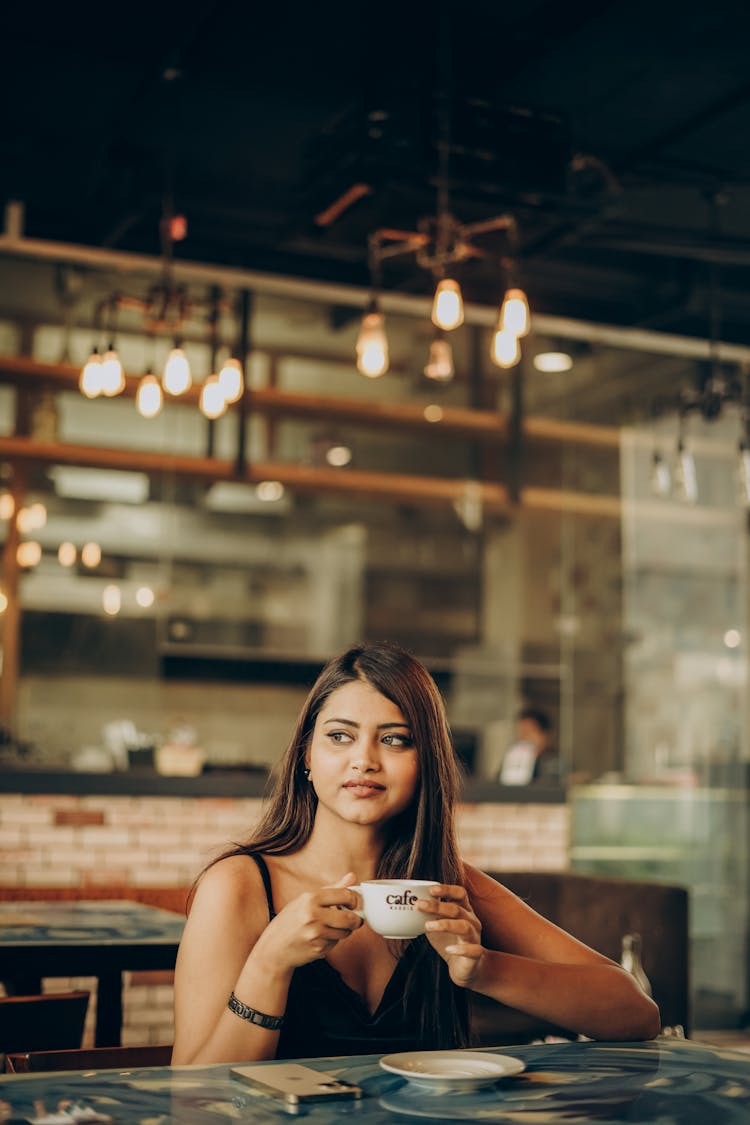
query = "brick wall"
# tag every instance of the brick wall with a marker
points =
(83, 845)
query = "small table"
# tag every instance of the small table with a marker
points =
(667, 1080)
(86, 938)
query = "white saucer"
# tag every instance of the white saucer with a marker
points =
(452, 1070)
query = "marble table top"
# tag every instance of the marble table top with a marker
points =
(664, 1082)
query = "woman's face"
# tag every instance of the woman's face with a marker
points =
(362, 759)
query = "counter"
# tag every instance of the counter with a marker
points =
(229, 782)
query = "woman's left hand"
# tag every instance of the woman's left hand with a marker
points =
(455, 932)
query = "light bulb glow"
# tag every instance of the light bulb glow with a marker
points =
(31, 519)
(448, 305)
(112, 376)
(433, 413)
(505, 350)
(66, 554)
(91, 555)
(7, 506)
(372, 345)
(338, 456)
(145, 597)
(440, 362)
(29, 553)
(90, 379)
(24, 521)
(552, 362)
(269, 490)
(514, 312)
(111, 600)
(149, 398)
(231, 381)
(3, 602)
(212, 401)
(38, 515)
(177, 377)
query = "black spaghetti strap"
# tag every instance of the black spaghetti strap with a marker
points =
(261, 864)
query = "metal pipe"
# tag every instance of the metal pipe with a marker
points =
(637, 339)
(243, 348)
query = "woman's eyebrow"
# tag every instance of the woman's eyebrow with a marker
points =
(353, 723)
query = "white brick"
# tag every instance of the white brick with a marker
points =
(26, 815)
(45, 876)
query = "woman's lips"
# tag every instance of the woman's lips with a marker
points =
(364, 788)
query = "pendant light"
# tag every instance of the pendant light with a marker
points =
(505, 350)
(372, 343)
(177, 377)
(439, 365)
(149, 398)
(212, 401)
(90, 379)
(514, 313)
(231, 380)
(447, 305)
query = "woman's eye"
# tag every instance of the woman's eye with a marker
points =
(398, 741)
(339, 736)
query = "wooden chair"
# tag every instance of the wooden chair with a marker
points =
(95, 1058)
(49, 1021)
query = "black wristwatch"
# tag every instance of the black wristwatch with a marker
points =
(245, 1012)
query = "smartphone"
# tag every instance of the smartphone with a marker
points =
(295, 1083)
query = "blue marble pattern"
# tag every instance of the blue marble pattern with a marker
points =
(665, 1082)
(31, 923)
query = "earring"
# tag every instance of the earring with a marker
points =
(307, 772)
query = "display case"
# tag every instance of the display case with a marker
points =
(696, 837)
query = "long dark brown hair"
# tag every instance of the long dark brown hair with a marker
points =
(421, 840)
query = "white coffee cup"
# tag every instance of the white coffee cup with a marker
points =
(390, 906)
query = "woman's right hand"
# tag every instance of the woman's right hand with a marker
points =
(309, 926)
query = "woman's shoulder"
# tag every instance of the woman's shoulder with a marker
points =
(233, 883)
(478, 883)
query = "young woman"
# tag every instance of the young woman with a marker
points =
(275, 963)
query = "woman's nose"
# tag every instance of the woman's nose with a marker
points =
(365, 754)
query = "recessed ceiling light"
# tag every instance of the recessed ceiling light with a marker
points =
(239, 498)
(115, 485)
(552, 362)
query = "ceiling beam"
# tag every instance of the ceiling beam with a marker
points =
(15, 244)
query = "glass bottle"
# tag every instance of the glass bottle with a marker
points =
(631, 960)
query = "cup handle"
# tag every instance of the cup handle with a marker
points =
(357, 910)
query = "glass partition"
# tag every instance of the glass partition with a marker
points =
(487, 523)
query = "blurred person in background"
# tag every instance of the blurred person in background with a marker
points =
(533, 756)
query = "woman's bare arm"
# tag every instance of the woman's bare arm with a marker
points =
(229, 945)
(497, 945)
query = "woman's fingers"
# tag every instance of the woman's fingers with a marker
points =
(455, 932)
(466, 949)
(336, 896)
(445, 909)
(450, 892)
(460, 926)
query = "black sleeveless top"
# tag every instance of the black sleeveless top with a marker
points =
(324, 1016)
